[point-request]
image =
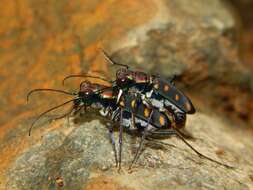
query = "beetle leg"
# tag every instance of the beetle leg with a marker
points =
(77, 109)
(82, 110)
(120, 138)
(169, 132)
(142, 141)
(159, 142)
(64, 115)
(179, 135)
(72, 110)
(172, 79)
(113, 143)
(170, 117)
(133, 120)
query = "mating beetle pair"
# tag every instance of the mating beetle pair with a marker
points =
(136, 100)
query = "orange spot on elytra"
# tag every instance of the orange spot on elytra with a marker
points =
(146, 112)
(162, 120)
(176, 97)
(166, 88)
(133, 103)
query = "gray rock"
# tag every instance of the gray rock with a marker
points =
(84, 153)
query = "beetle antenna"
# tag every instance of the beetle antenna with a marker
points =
(102, 89)
(65, 114)
(47, 111)
(84, 76)
(47, 89)
(109, 59)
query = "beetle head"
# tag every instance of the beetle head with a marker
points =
(86, 92)
(123, 77)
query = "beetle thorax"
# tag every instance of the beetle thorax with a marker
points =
(140, 77)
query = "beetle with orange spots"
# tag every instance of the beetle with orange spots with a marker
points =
(154, 90)
(149, 84)
(149, 121)
(130, 110)
(158, 92)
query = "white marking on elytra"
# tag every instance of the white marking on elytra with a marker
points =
(141, 122)
(126, 122)
(119, 95)
(149, 94)
(160, 104)
(175, 108)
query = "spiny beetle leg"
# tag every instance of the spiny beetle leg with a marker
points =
(110, 127)
(133, 120)
(141, 142)
(178, 134)
(64, 115)
(120, 137)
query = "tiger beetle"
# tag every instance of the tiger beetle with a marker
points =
(156, 94)
(154, 90)
(150, 120)
(130, 111)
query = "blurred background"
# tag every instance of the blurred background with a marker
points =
(208, 44)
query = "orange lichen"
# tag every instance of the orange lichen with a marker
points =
(38, 48)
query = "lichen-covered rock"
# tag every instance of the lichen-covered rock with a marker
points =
(81, 154)
(41, 42)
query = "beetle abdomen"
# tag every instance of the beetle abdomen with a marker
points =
(142, 113)
(172, 94)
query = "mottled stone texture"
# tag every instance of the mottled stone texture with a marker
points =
(42, 41)
(82, 157)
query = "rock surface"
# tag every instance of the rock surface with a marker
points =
(42, 42)
(81, 156)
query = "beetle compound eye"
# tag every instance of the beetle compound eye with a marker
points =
(121, 72)
(85, 84)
